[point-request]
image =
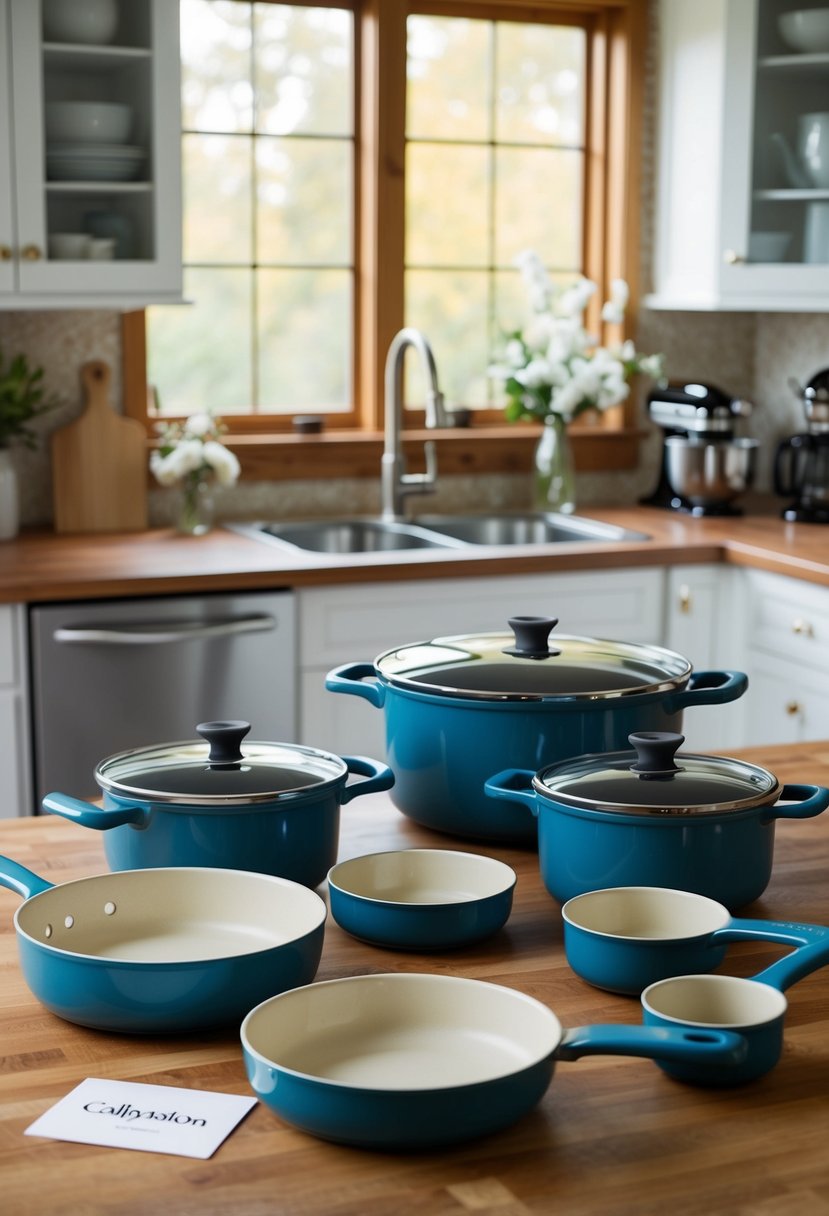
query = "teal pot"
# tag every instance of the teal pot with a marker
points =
(417, 1061)
(163, 951)
(655, 817)
(269, 807)
(458, 708)
(626, 938)
(754, 1008)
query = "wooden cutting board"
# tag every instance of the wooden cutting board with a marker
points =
(99, 464)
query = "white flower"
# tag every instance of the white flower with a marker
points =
(514, 353)
(535, 375)
(222, 461)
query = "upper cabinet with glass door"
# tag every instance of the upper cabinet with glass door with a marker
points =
(90, 170)
(742, 217)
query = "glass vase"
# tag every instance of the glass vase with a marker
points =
(195, 508)
(554, 483)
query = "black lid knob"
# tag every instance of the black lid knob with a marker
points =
(531, 637)
(225, 739)
(655, 751)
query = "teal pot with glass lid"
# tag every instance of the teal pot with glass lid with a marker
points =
(273, 808)
(459, 708)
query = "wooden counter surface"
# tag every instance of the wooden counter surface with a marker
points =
(39, 566)
(611, 1135)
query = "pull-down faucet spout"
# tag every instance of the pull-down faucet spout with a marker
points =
(395, 482)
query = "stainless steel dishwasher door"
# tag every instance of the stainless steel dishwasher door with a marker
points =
(117, 674)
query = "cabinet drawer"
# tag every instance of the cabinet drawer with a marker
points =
(788, 618)
(786, 703)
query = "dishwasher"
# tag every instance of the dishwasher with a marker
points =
(110, 675)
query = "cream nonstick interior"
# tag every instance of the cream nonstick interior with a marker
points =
(402, 1032)
(423, 876)
(720, 1001)
(645, 913)
(171, 915)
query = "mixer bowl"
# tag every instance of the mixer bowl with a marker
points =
(710, 473)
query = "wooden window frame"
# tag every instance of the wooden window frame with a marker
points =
(265, 444)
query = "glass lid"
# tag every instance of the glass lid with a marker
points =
(656, 779)
(218, 771)
(524, 666)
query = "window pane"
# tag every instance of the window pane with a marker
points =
(217, 198)
(451, 309)
(303, 191)
(447, 205)
(303, 70)
(540, 84)
(304, 339)
(199, 356)
(448, 78)
(216, 90)
(538, 197)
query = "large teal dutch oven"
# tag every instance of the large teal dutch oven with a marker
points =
(655, 817)
(269, 807)
(459, 708)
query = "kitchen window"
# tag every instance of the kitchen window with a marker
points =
(352, 168)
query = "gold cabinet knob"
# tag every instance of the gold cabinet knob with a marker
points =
(31, 253)
(803, 628)
(792, 708)
(5, 253)
(732, 258)
(684, 598)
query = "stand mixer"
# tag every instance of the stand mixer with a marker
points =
(705, 466)
(801, 462)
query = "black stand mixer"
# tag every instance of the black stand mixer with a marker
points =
(705, 466)
(801, 462)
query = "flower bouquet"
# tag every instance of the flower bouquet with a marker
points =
(192, 455)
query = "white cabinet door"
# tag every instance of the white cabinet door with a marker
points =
(15, 754)
(140, 68)
(355, 624)
(789, 704)
(723, 191)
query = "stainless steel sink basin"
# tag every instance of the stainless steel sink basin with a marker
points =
(375, 535)
(533, 528)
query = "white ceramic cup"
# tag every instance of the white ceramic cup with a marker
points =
(813, 147)
(101, 248)
(69, 246)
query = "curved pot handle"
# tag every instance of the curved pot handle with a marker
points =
(17, 878)
(513, 785)
(787, 971)
(348, 679)
(688, 1044)
(378, 777)
(801, 802)
(89, 816)
(787, 932)
(708, 688)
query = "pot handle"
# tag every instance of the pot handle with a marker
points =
(513, 785)
(17, 878)
(378, 777)
(89, 816)
(708, 688)
(688, 1044)
(787, 932)
(349, 677)
(800, 802)
(787, 971)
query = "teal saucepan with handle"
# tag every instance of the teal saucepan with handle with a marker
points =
(269, 807)
(162, 951)
(624, 938)
(459, 708)
(416, 1061)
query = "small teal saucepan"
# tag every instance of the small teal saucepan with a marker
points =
(625, 938)
(273, 808)
(414, 1061)
(421, 899)
(754, 1008)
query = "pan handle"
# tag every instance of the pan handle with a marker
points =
(679, 1043)
(89, 816)
(787, 971)
(17, 878)
(378, 777)
(787, 932)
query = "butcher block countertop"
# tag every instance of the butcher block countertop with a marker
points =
(39, 566)
(611, 1135)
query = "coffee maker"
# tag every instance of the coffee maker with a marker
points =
(801, 462)
(704, 464)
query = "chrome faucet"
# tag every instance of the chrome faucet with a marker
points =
(395, 482)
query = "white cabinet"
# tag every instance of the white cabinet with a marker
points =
(736, 227)
(787, 642)
(15, 759)
(131, 191)
(357, 623)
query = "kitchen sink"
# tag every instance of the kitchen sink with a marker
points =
(376, 535)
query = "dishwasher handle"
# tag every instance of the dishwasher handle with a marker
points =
(154, 635)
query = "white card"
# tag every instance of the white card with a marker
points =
(150, 1118)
